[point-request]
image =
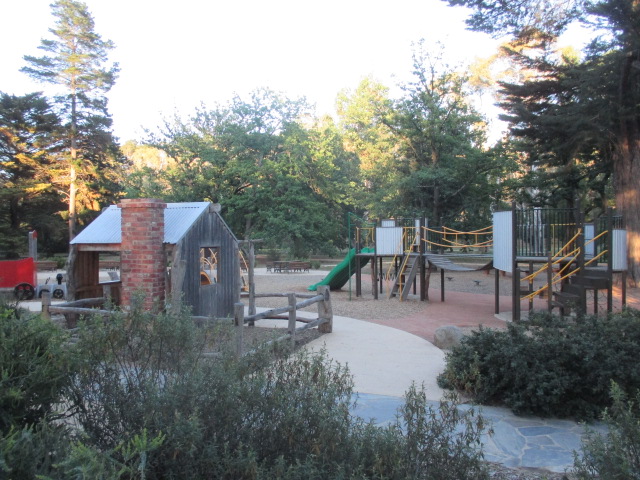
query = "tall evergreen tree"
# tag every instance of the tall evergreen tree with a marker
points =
(76, 60)
(609, 85)
(556, 123)
(28, 149)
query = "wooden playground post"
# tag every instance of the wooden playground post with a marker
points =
(515, 271)
(496, 286)
(516, 295)
(357, 264)
(292, 318)
(238, 319)
(325, 311)
(610, 265)
(374, 265)
(549, 282)
(530, 286)
(251, 280)
(581, 263)
(421, 251)
(46, 303)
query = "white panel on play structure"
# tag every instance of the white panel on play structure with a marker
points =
(388, 223)
(389, 240)
(619, 257)
(502, 241)
(589, 246)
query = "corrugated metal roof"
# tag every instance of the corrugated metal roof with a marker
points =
(178, 218)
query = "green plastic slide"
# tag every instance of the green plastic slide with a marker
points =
(343, 271)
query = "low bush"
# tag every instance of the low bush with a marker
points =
(35, 373)
(549, 366)
(35, 369)
(616, 454)
(146, 401)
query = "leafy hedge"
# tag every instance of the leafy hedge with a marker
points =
(615, 454)
(143, 401)
(549, 366)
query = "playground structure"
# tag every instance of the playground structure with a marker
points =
(557, 246)
(572, 257)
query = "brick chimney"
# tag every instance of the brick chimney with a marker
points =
(142, 258)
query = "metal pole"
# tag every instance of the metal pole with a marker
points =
(349, 249)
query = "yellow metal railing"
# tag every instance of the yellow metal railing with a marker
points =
(450, 238)
(560, 275)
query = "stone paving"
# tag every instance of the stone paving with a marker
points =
(547, 444)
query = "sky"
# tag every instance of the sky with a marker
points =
(177, 54)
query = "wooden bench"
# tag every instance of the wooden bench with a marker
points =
(299, 266)
(109, 265)
(46, 265)
(281, 267)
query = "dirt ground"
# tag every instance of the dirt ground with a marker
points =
(469, 300)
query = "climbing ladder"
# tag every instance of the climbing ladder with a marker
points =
(406, 275)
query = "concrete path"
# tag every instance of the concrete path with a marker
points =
(385, 361)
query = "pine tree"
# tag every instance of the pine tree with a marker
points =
(76, 59)
(28, 149)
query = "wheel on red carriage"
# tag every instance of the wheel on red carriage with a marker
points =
(24, 291)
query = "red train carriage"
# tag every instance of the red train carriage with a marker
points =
(20, 276)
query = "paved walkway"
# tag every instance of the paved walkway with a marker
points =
(545, 444)
(384, 361)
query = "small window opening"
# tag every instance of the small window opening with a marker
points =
(209, 265)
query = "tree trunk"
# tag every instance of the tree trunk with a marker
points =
(627, 168)
(73, 173)
(627, 173)
(73, 189)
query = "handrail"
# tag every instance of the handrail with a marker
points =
(559, 277)
(488, 243)
(481, 231)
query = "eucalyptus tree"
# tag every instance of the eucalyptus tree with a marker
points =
(443, 138)
(76, 61)
(279, 174)
(608, 86)
(425, 151)
(364, 115)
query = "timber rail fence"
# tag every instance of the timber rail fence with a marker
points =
(324, 321)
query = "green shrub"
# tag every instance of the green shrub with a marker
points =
(33, 450)
(34, 368)
(616, 454)
(269, 415)
(549, 366)
(144, 400)
(35, 373)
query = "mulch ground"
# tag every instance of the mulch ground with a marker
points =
(469, 301)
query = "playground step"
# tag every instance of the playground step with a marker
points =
(566, 297)
(410, 273)
(405, 277)
(599, 283)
